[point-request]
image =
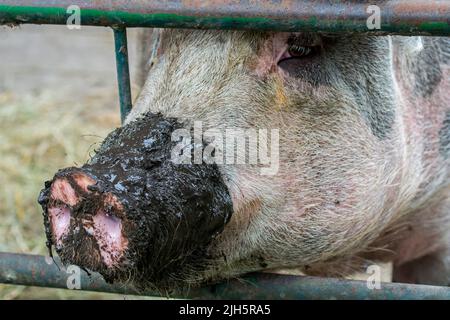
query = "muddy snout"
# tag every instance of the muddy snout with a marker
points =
(131, 210)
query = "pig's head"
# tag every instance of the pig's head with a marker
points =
(132, 213)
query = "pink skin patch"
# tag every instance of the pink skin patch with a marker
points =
(108, 233)
(62, 190)
(59, 215)
(60, 221)
(274, 50)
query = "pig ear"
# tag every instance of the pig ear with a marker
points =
(149, 41)
(155, 49)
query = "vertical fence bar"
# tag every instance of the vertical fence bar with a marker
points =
(123, 71)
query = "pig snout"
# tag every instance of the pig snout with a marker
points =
(131, 210)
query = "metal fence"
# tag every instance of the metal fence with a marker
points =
(404, 17)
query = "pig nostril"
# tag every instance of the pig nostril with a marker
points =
(108, 233)
(109, 224)
(60, 221)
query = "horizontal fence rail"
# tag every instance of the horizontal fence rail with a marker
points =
(429, 17)
(34, 270)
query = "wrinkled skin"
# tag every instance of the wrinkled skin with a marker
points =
(364, 161)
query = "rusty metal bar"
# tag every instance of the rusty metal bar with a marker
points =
(409, 17)
(34, 270)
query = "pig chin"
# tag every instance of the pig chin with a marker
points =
(130, 212)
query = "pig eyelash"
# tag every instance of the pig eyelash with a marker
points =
(299, 51)
(302, 47)
(295, 51)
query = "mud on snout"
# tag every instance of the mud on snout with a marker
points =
(130, 213)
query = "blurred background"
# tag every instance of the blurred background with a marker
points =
(58, 100)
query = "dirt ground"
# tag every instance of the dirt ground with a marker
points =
(58, 100)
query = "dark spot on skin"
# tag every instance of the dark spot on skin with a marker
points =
(337, 202)
(426, 68)
(444, 46)
(427, 81)
(365, 66)
(379, 112)
(307, 69)
(444, 136)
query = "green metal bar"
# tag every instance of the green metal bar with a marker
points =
(123, 71)
(429, 17)
(34, 270)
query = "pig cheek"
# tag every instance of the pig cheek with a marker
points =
(60, 221)
(108, 233)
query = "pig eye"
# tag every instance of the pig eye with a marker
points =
(301, 46)
(299, 51)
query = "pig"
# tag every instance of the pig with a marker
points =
(362, 175)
